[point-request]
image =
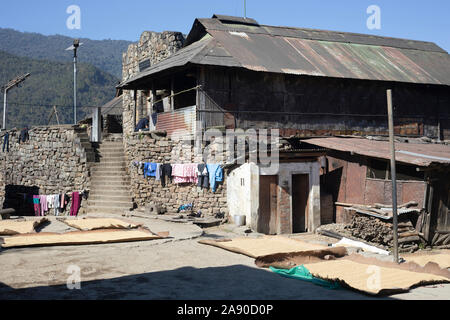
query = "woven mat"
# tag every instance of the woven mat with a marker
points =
(258, 247)
(442, 259)
(100, 223)
(12, 227)
(78, 238)
(372, 279)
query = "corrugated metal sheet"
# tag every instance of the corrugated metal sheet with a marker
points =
(113, 107)
(235, 43)
(178, 123)
(422, 155)
(262, 52)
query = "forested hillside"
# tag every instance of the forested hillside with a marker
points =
(106, 55)
(51, 83)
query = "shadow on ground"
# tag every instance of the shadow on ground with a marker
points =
(237, 282)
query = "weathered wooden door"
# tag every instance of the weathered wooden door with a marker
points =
(300, 194)
(268, 218)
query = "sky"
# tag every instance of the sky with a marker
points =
(125, 20)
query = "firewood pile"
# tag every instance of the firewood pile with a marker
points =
(375, 224)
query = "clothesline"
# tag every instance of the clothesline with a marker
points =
(204, 175)
(58, 202)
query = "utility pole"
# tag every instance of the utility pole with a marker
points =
(6, 88)
(393, 174)
(245, 9)
(74, 47)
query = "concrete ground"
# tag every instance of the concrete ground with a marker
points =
(175, 268)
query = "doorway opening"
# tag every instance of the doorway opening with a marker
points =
(300, 205)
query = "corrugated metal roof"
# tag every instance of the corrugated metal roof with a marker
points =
(113, 107)
(235, 43)
(422, 155)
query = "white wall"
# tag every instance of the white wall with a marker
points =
(243, 192)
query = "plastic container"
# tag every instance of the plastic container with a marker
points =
(239, 220)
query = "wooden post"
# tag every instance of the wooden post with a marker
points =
(393, 173)
(172, 92)
(135, 109)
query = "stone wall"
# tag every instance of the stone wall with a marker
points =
(53, 161)
(147, 147)
(156, 47)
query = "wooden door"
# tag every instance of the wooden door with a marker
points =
(267, 219)
(300, 194)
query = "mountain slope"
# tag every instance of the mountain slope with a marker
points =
(51, 83)
(103, 54)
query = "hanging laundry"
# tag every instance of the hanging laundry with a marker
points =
(150, 169)
(76, 201)
(37, 206)
(215, 175)
(203, 176)
(166, 171)
(184, 173)
(158, 172)
(44, 207)
(56, 204)
(6, 142)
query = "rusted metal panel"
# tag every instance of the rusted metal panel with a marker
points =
(356, 176)
(411, 153)
(177, 122)
(374, 191)
(307, 52)
(413, 191)
(259, 52)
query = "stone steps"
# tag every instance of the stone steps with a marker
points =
(110, 204)
(108, 172)
(107, 187)
(111, 198)
(113, 168)
(109, 193)
(110, 183)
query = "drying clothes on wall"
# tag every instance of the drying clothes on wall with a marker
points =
(158, 172)
(150, 169)
(64, 201)
(184, 173)
(44, 207)
(76, 201)
(37, 206)
(24, 136)
(203, 176)
(166, 172)
(215, 175)
(6, 142)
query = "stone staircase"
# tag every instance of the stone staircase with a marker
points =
(110, 183)
(86, 144)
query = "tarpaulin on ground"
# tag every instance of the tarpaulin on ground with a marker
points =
(267, 245)
(79, 238)
(12, 227)
(372, 278)
(302, 273)
(100, 223)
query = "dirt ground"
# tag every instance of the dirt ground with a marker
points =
(175, 268)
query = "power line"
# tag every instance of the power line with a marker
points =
(44, 105)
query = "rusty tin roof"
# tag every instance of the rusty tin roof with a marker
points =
(222, 41)
(423, 155)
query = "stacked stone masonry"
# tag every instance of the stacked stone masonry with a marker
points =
(156, 47)
(54, 160)
(143, 148)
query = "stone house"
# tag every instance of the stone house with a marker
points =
(233, 73)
